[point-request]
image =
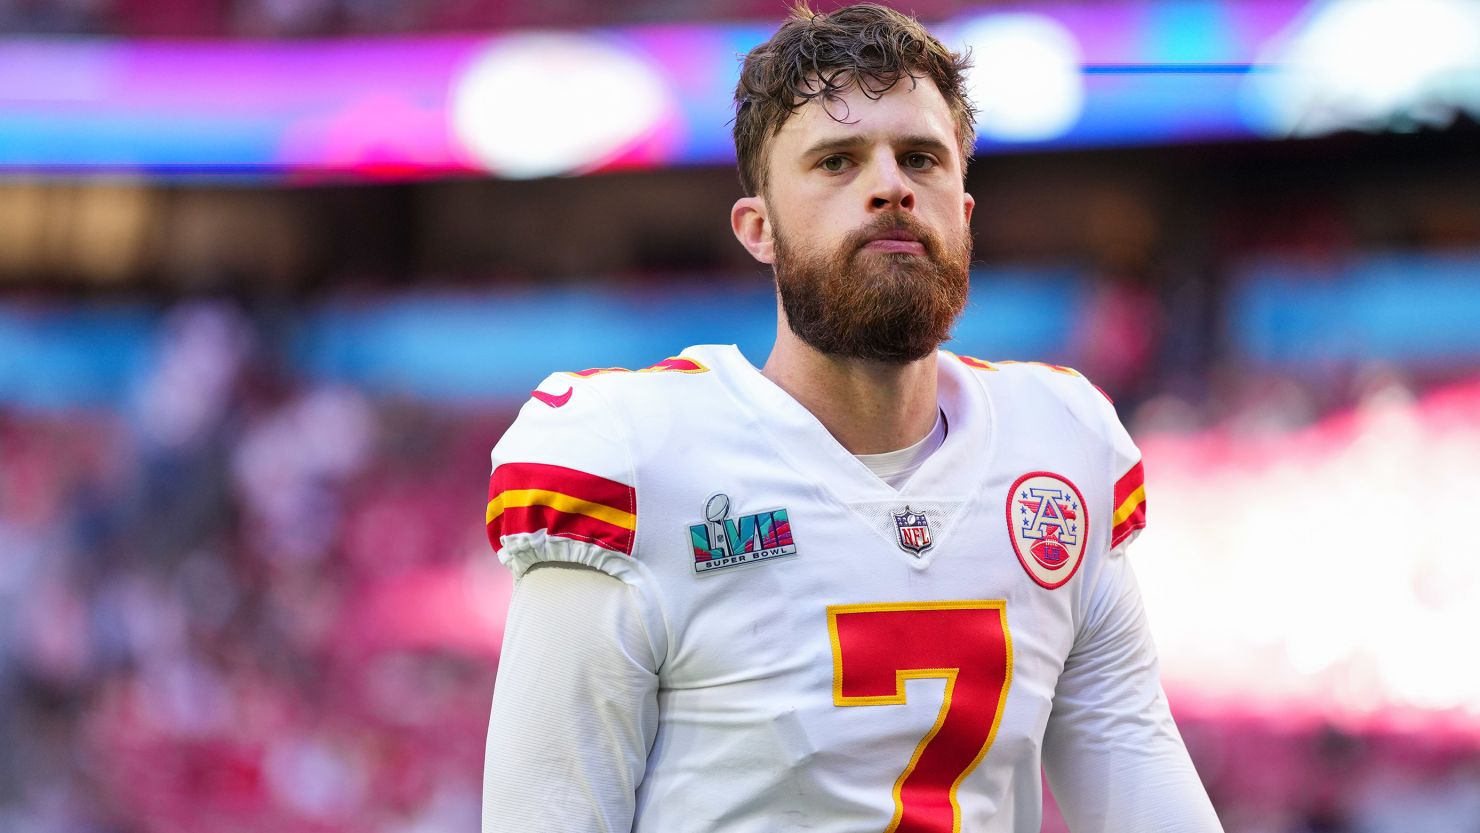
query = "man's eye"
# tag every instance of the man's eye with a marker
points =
(834, 164)
(918, 161)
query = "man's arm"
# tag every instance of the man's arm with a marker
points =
(574, 707)
(1113, 755)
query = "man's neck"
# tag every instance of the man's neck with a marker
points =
(869, 407)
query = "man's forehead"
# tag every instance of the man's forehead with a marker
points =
(913, 107)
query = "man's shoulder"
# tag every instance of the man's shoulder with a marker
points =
(612, 384)
(567, 475)
(1031, 382)
(599, 412)
(608, 383)
(672, 364)
(1032, 393)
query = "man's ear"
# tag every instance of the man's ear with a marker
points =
(752, 226)
(970, 203)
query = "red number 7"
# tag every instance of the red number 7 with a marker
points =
(876, 647)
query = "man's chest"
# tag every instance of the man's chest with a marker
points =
(751, 549)
(835, 639)
(855, 657)
(772, 590)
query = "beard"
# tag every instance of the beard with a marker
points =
(890, 307)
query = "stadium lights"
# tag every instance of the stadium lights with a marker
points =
(1025, 80)
(1369, 65)
(534, 105)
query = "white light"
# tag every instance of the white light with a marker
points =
(1328, 570)
(550, 103)
(1025, 81)
(1365, 64)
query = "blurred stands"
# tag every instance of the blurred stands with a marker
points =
(244, 602)
(243, 439)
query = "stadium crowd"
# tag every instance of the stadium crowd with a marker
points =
(196, 633)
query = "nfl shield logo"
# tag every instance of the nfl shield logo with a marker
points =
(914, 531)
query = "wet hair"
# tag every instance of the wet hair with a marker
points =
(816, 56)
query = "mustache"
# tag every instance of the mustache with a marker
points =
(893, 222)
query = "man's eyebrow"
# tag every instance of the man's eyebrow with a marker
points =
(849, 142)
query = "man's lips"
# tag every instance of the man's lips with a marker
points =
(895, 244)
(895, 239)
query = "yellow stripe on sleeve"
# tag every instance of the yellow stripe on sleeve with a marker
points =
(1128, 506)
(560, 502)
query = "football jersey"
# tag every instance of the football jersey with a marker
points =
(836, 654)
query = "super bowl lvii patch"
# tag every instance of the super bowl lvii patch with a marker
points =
(722, 541)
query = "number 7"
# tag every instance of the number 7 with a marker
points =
(876, 647)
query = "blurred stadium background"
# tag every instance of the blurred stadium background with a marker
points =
(275, 275)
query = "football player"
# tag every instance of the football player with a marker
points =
(871, 586)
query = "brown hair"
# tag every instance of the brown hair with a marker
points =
(819, 56)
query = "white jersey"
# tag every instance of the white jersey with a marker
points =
(827, 652)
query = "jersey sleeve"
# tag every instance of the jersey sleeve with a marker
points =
(575, 708)
(1112, 753)
(562, 486)
(1128, 501)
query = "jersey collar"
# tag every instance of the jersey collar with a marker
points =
(955, 471)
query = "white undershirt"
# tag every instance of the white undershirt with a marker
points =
(896, 467)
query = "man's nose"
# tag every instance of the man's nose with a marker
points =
(889, 189)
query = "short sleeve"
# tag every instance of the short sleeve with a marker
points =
(562, 485)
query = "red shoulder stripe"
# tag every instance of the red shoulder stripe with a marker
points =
(1129, 513)
(564, 502)
(595, 371)
(682, 364)
(979, 364)
(1129, 483)
(1122, 530)
(573, 482)
(575, 525)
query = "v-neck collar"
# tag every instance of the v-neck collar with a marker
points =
(953, 472)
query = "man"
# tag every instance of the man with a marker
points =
(870, 587)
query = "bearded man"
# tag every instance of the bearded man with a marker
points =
(871, 586)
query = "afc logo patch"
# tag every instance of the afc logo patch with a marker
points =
(1048, 523)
